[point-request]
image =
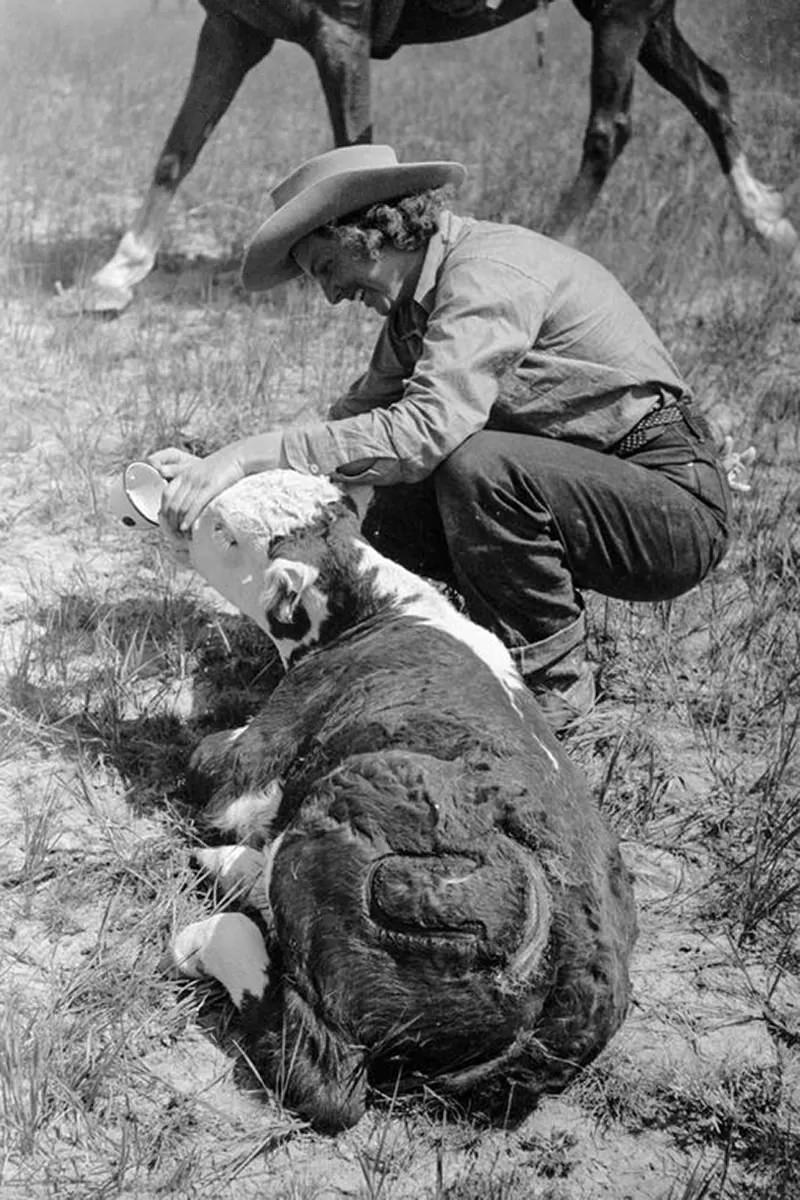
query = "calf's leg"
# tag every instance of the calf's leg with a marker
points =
(238, 872)
(228, 947)
(242, 873)
(313, 1068)
(230, 800)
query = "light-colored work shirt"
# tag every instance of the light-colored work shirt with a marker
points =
(506, 330)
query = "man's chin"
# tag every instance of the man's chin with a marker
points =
(382, 305)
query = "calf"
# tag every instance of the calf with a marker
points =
(442, 903)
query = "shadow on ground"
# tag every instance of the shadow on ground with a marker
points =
(66, 264)
(93, 676)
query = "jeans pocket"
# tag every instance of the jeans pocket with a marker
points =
(692, 463)
(707, 483)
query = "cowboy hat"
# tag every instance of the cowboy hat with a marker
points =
(325, 188)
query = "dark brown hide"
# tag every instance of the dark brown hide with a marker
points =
(343, 35)
(419, 808)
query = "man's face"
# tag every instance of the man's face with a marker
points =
(343, 275)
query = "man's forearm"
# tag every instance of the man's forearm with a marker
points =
(261, 452)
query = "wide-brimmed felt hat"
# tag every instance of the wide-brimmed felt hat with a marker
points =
(328, 187)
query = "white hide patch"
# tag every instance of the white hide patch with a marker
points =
(422, 601)
(261, 508)
(289, 584)
(243, 873)
(233, 547)
(228, 947)
(269, 860)
(237, 870)
(251, 812)
(536, 935)
(233, 544)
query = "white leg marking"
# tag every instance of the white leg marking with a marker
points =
(252, 812)
(229, 948)
(111, 288)
(762, 208)
(243, 873)
(238, 871)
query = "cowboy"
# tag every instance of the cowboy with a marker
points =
(526, 433)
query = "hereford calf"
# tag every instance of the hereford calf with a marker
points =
(443, 903)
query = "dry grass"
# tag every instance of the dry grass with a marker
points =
(115, 1080)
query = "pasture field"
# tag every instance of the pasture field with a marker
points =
(117, 1081)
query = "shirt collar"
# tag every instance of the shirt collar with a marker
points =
(438, 247)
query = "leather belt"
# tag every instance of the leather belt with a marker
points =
(662, 414)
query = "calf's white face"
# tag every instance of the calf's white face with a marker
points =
(236, 546)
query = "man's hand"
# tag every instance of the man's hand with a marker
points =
(194, 482)
(170, 461)
(738, 466)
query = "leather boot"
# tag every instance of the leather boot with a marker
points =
(557, 672)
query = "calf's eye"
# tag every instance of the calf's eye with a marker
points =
(224, 536)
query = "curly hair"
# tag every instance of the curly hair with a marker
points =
(405, 224)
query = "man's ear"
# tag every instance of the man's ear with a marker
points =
(285, 582)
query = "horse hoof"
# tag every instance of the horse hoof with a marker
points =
(92, 300)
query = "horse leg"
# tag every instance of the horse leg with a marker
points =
(226, 51)
(617, 36)
(341, 54)
(673, 64)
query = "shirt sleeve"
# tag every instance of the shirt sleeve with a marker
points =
(485, 318)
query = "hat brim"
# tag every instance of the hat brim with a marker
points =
(267, 260)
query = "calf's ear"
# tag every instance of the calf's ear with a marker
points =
(359, 496)
(285, 582)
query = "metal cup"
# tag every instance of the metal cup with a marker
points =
(135, 496)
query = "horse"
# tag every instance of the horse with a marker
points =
(342, 36)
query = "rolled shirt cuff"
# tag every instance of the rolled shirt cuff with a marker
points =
(319, 450)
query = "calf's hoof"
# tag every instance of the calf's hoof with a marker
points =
(229, 948)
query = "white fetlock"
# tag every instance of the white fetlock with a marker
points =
(762, 209)
(186, 950)
(132, 262)
(251, 813)
(228, 947)
(239, 872)
(110, 290)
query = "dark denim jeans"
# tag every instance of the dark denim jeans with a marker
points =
(520, 525)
